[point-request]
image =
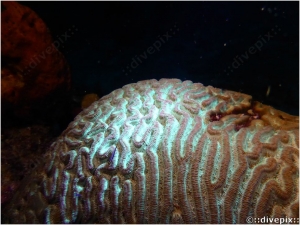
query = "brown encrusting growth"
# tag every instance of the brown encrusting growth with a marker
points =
(32, 67)
(88, 99)
(167, 151)
(276, 118)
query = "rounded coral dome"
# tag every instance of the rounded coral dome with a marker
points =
(167, 151)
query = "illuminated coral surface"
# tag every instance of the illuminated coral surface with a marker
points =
(167, 152)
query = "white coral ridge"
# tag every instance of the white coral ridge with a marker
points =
(149, 153)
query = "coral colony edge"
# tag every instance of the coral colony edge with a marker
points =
(167, 151)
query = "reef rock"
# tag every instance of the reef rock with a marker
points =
(167, 152)
(32, 67)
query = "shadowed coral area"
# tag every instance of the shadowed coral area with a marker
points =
(166, 151)
(21, 152)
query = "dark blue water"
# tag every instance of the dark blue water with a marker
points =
(241, 46)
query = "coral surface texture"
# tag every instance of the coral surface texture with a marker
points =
(166, 151)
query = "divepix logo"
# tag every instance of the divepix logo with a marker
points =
(53, 47)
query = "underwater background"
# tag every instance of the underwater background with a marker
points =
(241, 46)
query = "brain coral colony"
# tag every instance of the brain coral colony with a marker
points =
(167, 151)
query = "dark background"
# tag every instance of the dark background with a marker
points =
(105, 38)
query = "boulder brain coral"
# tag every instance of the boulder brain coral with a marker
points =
(167, 152)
